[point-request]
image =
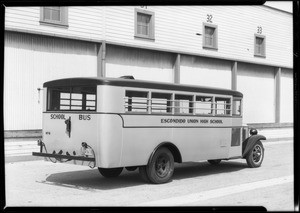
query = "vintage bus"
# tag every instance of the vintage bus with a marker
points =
(116, 123)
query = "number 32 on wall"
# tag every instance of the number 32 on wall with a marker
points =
(209, 18)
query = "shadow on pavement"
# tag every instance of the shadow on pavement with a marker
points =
(91, 180)
(201, 169)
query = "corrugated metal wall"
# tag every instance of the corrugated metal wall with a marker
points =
(32, 60)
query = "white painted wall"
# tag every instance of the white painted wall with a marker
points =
(286, 96)
(258, 87)
(142, 64)
(176, 28)
(84, 22)
(205, 72)
(29, 62)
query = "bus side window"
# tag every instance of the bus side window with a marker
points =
(223, 106)
(136, 101)
(203, 105)
(161, 103)
(236, 107)
(183, 104)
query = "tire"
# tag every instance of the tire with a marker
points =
(131, 168)
(161, 167)
(214, 162)
(109, 173)
(256, 155)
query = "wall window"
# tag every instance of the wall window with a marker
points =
(210, 36)
(144, 24)
(136, 101)
(260, 45)
(57, 16)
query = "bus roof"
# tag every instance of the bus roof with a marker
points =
(93, 81)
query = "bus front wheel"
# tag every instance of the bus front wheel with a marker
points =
(161, 166)
(256, 155)
(111, 172)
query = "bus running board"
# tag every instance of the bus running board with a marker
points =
(69, 157)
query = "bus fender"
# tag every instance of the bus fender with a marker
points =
(174, 150)
(248, 144)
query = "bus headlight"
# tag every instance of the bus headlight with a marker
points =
(253, 131)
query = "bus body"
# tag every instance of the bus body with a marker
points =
(111, 123)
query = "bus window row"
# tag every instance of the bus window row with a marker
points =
(156, 102)
(72, 99)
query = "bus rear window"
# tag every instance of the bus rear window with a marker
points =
(71, 99)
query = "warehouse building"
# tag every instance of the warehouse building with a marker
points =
(244, 48)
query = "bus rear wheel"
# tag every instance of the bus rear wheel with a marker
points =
(161, 166)
(256, 155)
(214, 162)
(111, 172)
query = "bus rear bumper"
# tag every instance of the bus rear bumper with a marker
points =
(68, 157)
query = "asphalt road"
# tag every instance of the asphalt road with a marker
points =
(231, 183)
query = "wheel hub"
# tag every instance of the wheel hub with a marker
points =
(257, 153)
(162, 166)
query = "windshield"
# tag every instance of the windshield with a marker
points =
(79, 98)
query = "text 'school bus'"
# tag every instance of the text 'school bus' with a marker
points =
(112, 123)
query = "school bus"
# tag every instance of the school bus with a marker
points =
(116, 123)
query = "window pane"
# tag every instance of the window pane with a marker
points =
(235, 136)
(52, 14)
(64, 102)
(62, 107)
(223, 106)
(76, 96)
(161, 103)
(143, 18)
(236, 107)
(60, 99)
(208, 41)
(209, 36)
(90, 103)
(76, 102)
(143, 24)
(136, 101)
(90, 97)
(65, 95)
(259, 46)
(46, 13)
(76, 108)
(55, 15)
(203, 105)
(183, 104)
(259, 41)
(209, 31)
